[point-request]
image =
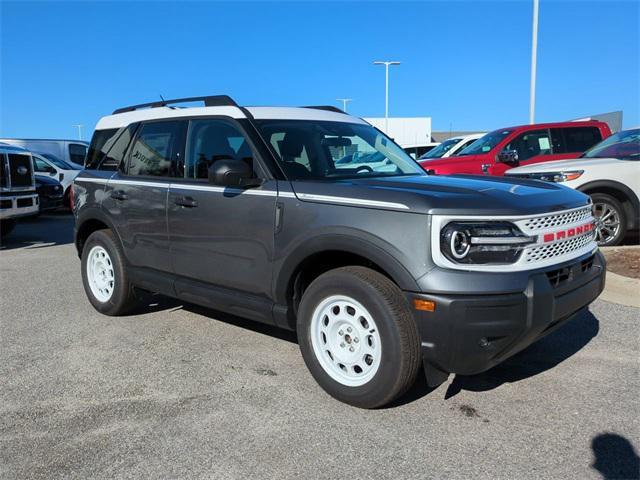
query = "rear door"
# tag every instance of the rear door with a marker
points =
(573, 141)
(221, 236)
(137, 195)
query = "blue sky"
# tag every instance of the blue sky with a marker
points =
(464, 63)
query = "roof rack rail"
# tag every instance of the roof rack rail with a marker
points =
(209, 101)
(329, 108)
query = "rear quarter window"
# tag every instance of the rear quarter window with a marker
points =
(96, 149)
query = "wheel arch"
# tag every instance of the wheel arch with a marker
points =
(89, 222)
(324, 253)
(625, 195)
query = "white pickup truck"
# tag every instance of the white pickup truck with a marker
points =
(18, 197)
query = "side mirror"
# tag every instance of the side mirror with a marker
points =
(509, 157)
(232, 173)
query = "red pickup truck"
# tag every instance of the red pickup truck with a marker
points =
(506, 148)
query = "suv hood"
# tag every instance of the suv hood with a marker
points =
(451, 195)
(573, 164)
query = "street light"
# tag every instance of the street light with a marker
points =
(386, 91)
(79, 131)
(534, 55)
(344, 103)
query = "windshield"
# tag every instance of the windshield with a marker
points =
(441, 149)
(623, 145)
(58, 162)
(313, 150)
(485, 144)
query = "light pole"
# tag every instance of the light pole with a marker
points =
(344, 103)
(386, 91)
(79, 131)
(534, 55)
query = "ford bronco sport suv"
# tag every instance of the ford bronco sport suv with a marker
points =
(381, 269)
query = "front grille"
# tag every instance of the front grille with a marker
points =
(561, 275)
(552, 250)
(587, 264)
(24, 202)
(550, 221)
(6, 203)
(556, 277)
(3, 173)
(20, 170)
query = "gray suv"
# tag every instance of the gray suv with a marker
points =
(315, 221)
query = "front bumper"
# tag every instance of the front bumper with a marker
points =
(13, 206)
(50, 202)
(470, 333)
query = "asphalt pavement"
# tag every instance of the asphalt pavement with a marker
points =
(178, 391)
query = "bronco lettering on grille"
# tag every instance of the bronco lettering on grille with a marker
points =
(568, 233)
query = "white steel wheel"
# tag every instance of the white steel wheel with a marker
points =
(346, 340)
(100, 274)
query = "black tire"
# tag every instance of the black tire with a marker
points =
(400, 342)
(122, 299)
(6, 226)
(614, 204)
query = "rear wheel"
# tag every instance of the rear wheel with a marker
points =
(611, 221)
(358, 337)
(104, 274)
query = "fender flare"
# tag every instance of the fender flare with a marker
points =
(364, 245)
(612, 184)
(88, 214)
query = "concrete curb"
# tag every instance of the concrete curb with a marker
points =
(622, 290)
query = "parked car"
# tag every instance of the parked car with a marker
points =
(50, 193)
(451, 146)
(610, 173)
(417, 150)
(64, 172)
(18, 197)
(502, 149)
(70, 151)
(380, 271)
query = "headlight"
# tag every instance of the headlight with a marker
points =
(556, 177)
(483, 242)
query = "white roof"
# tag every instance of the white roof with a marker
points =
(119, 120)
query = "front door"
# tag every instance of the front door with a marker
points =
(219, 236)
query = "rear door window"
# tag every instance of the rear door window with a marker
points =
(156, 149)
(531, 144)
(580, 139)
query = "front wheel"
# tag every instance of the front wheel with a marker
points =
(358, 337)
(611, 221)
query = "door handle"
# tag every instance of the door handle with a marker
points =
(118, 195)
(185, 202)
